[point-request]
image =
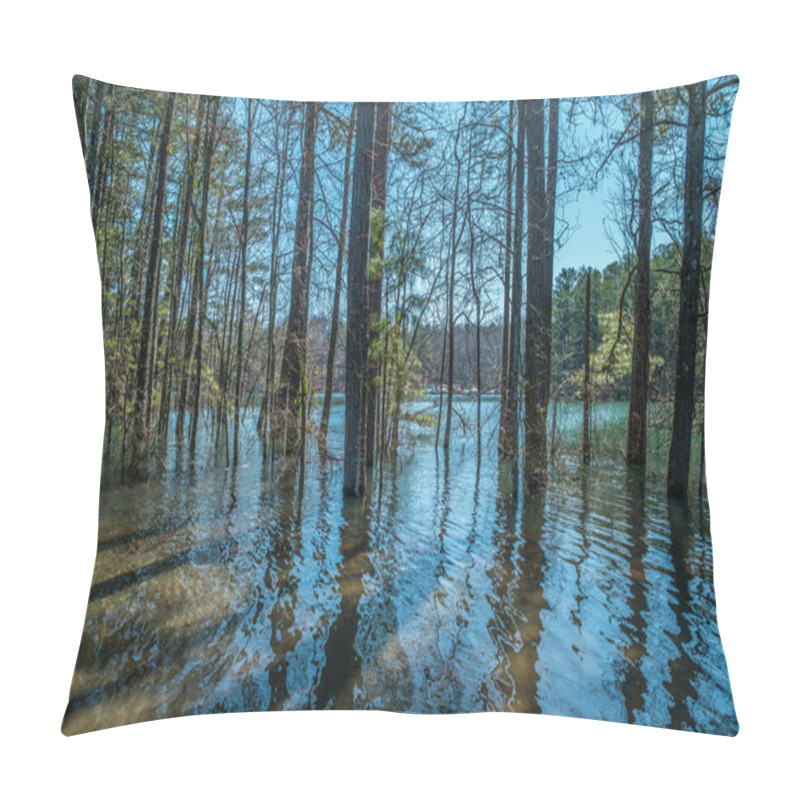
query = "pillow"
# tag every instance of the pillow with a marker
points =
(404, 407)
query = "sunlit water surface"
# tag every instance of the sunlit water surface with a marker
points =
(251, 590)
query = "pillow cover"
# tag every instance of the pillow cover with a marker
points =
(404, 406)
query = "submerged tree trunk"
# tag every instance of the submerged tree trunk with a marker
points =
(293, 381)
(266, 412)
(587, 374)
(680, 447)
(199, 286)
(640, 369)
(504, 359)
(337, 290)
(451, 313)
(176, 282)
(356, 343)
(508, 427)
(383, 135)
(148, 319)
(243, 284)
(541, 220)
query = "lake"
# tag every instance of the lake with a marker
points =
(247, 590)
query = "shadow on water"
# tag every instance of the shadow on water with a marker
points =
(444, 590)
(634, 626)
(341, 673)
(682, 669)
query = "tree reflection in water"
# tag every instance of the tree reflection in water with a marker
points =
(260, 588)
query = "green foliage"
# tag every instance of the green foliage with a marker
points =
(610, 339)
(377, 227)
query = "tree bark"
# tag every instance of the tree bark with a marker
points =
(451, 312)
(541, 220)
(199, 286)
(148, 319)
(243, 283)
(640, 369)
(177, 276)
(504, 359)
(356, 342)
(103, 158)
(293, 381)
(94, 137)
(383, 136)
(509, 425)
(680, 446)
(587, 373)
(266, 412)
(337, 289)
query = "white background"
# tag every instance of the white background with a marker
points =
(52, 379)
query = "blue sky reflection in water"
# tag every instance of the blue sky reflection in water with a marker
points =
(237, 591)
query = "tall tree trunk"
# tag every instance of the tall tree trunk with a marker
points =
(293, 380)
(103, 158)
(337, 289)
(451, 313)
(640, 369)
(357, 322)
(476, 299)
(504, 360)
(680, 447)
(265, 414)
(243, 283)
(541, 220)
(176, 283)
(94, 138)
(148, 319)
(208, 152)
(587, 371)
(509, 425)
(383, 136)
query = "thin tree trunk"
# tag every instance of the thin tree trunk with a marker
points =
(509, 426)
(383, 135)
(243, 283)
(102, 167)
(293, 381)
(265, 413)
(476, 298)
(587, 373)
(148, 320)
(94, 138)
(640, 368)
(356, 343)
(441, 383)
(178, 275)
(337, 289)
(680, 447)
(451, 317)
(504, 358)
(208, 152)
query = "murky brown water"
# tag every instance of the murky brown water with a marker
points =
(241, 591)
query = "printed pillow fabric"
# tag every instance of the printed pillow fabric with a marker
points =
(404, 406)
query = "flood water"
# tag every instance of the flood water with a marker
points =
(251, 590)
